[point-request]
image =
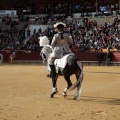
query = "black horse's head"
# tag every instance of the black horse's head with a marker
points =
(45, 52)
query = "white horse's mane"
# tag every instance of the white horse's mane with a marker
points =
(47, 49)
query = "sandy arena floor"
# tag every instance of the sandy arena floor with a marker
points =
(25, 94)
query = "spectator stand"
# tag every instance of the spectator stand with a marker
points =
(87, 58)
(81, 36)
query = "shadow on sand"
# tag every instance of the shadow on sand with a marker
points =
(103, 100)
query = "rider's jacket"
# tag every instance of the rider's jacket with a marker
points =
(60, 44)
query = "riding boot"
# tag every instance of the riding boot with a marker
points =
(53, 71)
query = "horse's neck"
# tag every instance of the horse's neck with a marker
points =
(48, 54)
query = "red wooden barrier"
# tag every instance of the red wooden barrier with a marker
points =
(116, 57)
(83, 56)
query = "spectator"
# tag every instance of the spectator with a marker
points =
(28, 32)
(40, 30)
(34, 31)
(12, 57)
(36, 18)
(108, 56)
(85, 21)
(100, 56)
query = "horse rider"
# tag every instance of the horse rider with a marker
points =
(60, 44)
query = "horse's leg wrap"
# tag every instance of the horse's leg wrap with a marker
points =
(54, 91)
(65, 92)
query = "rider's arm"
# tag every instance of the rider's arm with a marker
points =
(69, 40)
(54, 41)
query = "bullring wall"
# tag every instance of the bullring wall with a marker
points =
(35, 56)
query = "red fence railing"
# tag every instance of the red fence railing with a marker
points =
(83, 56)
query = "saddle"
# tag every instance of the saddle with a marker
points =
(59, 63)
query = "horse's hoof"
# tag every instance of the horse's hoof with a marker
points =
(56, 92)
(64, 94)
(48, 75)
(75, 98)
(51, 96)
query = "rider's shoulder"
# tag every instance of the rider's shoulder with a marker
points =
(55, 35)
(64, 33)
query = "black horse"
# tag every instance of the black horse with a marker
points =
(73, 66)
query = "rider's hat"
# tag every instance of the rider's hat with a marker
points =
(59, 24)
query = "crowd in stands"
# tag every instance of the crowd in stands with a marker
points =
(77, 7)
(92, 36)
(65, 7)
(89, 35)
(86, 35)
(11, 38)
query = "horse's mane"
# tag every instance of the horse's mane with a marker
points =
(47, 49)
